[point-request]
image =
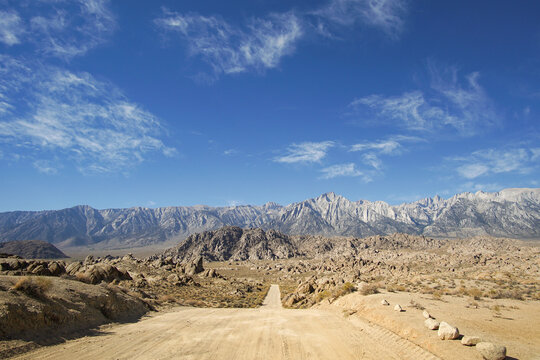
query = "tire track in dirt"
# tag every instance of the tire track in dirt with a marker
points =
(269, 332)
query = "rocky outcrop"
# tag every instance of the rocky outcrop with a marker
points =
(234, 243)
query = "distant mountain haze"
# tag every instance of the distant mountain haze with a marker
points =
(508, 213)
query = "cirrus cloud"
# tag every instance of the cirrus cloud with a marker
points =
(87, 120)
(306, 152)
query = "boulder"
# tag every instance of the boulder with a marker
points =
(447, 331)
(398, 308)
(470, 340)
(89, 260)
(490, 351)
(427, 315)
(104, 272)
(173, 278)
(74, 268)
(431, 324)
(306, 288)
(56, 268)
(196, 267)
(41, 270)
(384, 302)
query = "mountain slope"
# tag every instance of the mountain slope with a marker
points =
(509, 213)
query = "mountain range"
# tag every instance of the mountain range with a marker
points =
(508, 213)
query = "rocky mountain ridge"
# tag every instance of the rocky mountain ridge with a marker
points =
(508, 213)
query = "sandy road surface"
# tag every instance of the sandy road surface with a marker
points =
(268, 332)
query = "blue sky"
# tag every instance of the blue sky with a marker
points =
(149, 103)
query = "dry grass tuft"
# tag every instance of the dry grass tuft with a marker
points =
(370, 289)
(35, 287)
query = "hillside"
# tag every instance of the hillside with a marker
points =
(32, 249)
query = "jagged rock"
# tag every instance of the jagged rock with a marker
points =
(74, 268)
(128, 257)
(41, 270)
(447, 331)
(89, 260)
(470, 340)
(56, 269)
(398, 308)
(293, 299)
(426, 314)
(431, 324)
(103, 272)
(211, 273)
(306, 288)
(490, 351)
(384, 302)
(196, 267)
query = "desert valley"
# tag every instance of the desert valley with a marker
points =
(282, 180)
(249, 293)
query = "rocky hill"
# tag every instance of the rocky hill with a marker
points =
(234, 243)
(509, 213)
(32, 249)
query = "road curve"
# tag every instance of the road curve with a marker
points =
(269, 332)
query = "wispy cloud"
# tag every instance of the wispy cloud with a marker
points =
(340, 170)
(45, 167)
(383, 146)
(495, 161)
(63, 29)
(387, 15)
(448, 103)
(230, 49)
(89, 121)
(305, 152)
(11, 27)
(471, 186)
(261, 43)
(471, 171)
(372, 150)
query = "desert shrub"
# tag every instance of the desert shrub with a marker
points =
(348, 288)
(35, 287)
(401, 288)
(437, 294)
(345, 289)
(168, 298)
(416, 305)
(369, 289)
(475, 293)
(322, 295)
(196, 303)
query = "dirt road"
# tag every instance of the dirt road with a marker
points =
(269, 332)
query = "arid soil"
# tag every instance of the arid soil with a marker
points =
(327, 306)
(512, 323)
(269, 332)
